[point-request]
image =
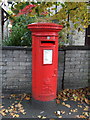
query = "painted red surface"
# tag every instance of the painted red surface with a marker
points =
(44, 60)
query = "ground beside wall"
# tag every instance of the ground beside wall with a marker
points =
(17, 63)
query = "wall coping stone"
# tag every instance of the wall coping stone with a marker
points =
(60, 49)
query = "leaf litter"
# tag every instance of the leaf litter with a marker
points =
(67, 94)
(75, 95)
(15, 108)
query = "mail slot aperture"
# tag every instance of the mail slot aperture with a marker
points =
(49, 43)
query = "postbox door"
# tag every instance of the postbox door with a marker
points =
(44, 69)
(49, 74)
(47, 77)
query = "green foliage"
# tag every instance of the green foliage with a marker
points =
(75, 13)
(20, 35)
(63, 38)
(16, 7)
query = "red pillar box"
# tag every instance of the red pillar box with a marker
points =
(44, 60)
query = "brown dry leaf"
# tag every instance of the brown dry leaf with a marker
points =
(27, 98)
(60, 116)
(15, 111)
(10, 110)
(24, 113)
(13, 95)
(63, 103)
(16, 115)
(2, 96)
(3, 110)
(1, 106)
(76, 94)
(67, 105)
(43, 117)
(80, 116)
(57, 101)
(85, 113)
(12, 107)
(2, 113)
(11, 114)
(86, 108)
(59, 96)
(22, 110)
(74, 110)
(79, 106)
(87, 101)
(19, 105)
(6, 111)
(62, 112)
(65, 99)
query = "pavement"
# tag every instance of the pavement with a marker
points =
(51, 111)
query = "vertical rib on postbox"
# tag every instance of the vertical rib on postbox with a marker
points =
(44, 60)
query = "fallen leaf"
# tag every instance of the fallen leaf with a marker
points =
(27, 98)
(13, 95)
(63, 103)
(24, 113)
(2, 113)
(22, 110)
(43, 117)
(6, 111)
(74, 94)
(11, 114)
(19, 105)
(12, 107)
(86, 108)
(62, 112)
(67, 105)
(74, 110)
(2, 96)
(1, 106)
(3, 110)
(57, 101)
(79, 106)
(39, 116)
(85, 113)
(87, 101)
(65, 99)
(60, 116)
(80, 116)
(16, 115)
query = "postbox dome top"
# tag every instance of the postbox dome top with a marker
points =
(42, 26)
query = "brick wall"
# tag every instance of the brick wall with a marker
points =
(76, 68)
(16, 68)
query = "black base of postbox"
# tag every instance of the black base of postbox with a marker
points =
(47, 105)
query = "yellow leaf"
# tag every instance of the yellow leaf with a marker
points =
(27, 98)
